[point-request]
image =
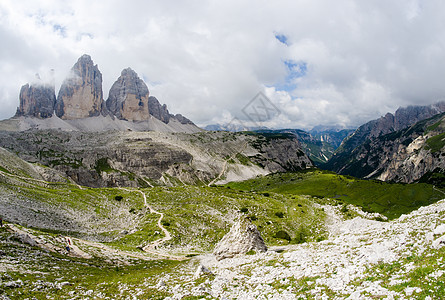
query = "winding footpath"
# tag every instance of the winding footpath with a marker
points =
(79, 253)
(155, 245)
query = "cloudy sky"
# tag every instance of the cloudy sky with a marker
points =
(319, 62)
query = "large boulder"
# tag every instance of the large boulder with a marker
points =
(242, 238)
(80, 95)
(128, 97)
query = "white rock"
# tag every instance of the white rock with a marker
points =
(439, 243)
(202, 270)
(440, 230)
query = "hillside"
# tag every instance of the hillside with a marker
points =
(320, 145)
(148, 243)
(406, 155)
(116, 158)
(390, 123)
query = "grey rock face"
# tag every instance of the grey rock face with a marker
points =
(80, 95)
(281, 155)
(108, 159)
(37, 100)
(182, 119)
(161, 112)
(157, 110)
(403, 118)
(242, 238)
(128, 97)
(402, 156)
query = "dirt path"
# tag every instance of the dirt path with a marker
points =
(434, 188)
(75, 251)
(155, 245)
(225, 165)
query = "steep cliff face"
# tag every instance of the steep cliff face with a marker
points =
(80, 95)
(157, 110)
(403, 118)
(404, 156)
(143, 158)
(37, 100)
(128, 97)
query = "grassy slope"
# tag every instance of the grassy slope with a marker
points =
(391, 200)
(197, 217)
(45, 270)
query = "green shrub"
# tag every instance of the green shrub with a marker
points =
(281, 234)
(279, 214)
(244, 210)
(118, 198)
(300, 235)
(102, 165)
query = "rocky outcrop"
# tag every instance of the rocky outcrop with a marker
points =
(157, 110)
(242, 238)
(281, 153)
(128, 97)
(80, 95)
(161, 112)
(182, 119)
(403, 118)
(37, 100)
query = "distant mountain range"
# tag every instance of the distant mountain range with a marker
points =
(402, 147)
(319, 143)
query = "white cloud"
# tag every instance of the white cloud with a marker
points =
(207, 60)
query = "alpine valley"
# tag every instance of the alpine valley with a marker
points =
(120, 199)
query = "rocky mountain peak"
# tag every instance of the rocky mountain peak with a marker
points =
(128, 97)
(157, 110)
(128, 107)
(37, 99)
(81, 95)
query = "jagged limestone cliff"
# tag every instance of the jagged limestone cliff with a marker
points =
(37, 100)
(128, 97)
(404, 156)
(80, 95)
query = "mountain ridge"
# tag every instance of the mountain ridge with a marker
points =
(80, 104)
(402, 118)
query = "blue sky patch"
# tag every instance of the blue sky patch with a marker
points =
(59, 29)
(294, 70)
(282, 38)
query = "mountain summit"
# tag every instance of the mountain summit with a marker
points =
(37, 100)
(80, 105)
(80, 95)
(128, 97)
